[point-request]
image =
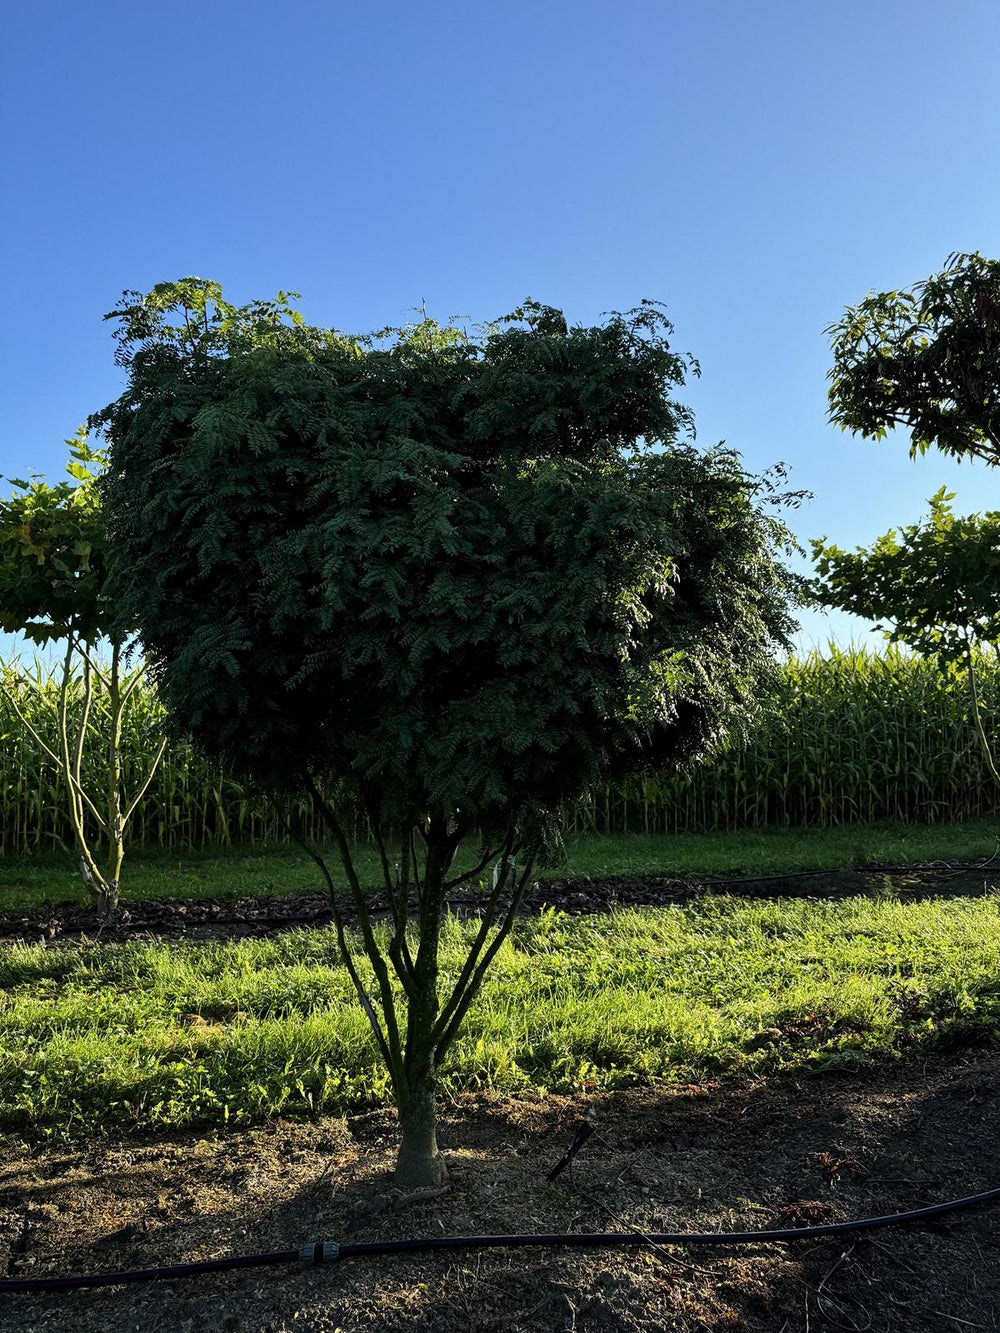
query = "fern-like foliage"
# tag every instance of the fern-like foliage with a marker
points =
(470, 574)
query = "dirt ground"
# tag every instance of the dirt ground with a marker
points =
(715, 1157)
(204, 918)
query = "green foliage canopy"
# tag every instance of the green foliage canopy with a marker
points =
(434, 565)
(54, 586)
(933, 585)
(926, 358)
(53, 554)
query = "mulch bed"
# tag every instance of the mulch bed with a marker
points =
(227, 918)
(741, 1155)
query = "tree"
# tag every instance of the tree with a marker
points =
(933, 585)
(53, 575)
(437, 568)
(927, 359)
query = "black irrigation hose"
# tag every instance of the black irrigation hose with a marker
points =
(330, 1252)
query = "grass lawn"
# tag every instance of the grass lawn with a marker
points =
(246, 872)
(154, 1036)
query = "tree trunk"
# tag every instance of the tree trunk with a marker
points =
(411, 1055)
(419, 1163)
(103, 890)
(106, 898)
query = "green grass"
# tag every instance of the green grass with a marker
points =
(154, 1036)
(243, 872)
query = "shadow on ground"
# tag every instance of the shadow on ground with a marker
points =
(819, 1147)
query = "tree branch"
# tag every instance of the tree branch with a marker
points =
(490, 855)
(91, 873)
(78, 645)
(460, 1007)
(133, 683)
(11, 699)
(977, 717)
(88, 695)
(486, 922)
(145, 786)
(367, 934)
(398, 951)
(416, 868)
(345, 951)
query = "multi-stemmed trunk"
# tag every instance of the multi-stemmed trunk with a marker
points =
(101, 872)
(419, 1162)
(102, 882)
(406, 966)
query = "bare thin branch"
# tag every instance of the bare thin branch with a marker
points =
(88, 696)
(145, 786)
(91, 873)
(79, 646)
(398, 951)
(482, 935)
(133, 683)
(476, 980)
(12, 700)
(345, 951)
(490, 855)
(976, 714)
(416, 868)
(367, 934)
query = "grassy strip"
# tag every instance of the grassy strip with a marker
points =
(151, 1036)
(247, 872)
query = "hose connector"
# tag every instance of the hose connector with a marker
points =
(320, 1252)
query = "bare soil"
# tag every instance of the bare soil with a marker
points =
(201, 918)
(741, 1155)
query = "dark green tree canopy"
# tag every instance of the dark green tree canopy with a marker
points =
(927, 359)
(435, 565)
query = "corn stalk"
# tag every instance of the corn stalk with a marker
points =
(851, 737)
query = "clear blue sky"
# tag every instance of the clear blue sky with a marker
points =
(758, 166)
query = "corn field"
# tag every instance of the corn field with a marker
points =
(851, 737)
(190, 803)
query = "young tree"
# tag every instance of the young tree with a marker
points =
(927, 359)
(934, 585)
(439, 569)
(52, 589)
